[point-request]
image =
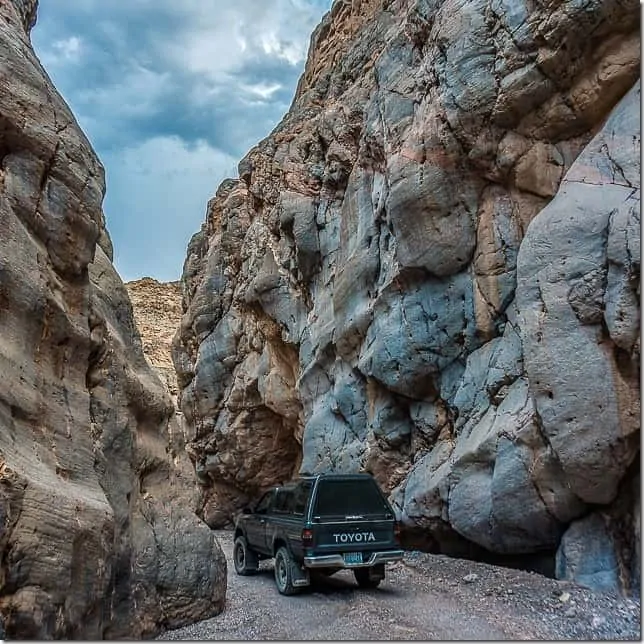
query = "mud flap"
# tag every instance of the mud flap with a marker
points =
(301, 576)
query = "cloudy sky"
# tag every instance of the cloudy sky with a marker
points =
(172, 94)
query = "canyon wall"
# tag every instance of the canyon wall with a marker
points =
(97, 530)
(430, 271)
(157, 315)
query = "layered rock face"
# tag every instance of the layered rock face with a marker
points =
(430, 271)
(97, 534)
(157, 314)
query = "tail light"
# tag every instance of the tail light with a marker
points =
(397, 531)
(307, 537)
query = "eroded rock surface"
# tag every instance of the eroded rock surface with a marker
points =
(97, 533)
(157, 314)
(430, 271)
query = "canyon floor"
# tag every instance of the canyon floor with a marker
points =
(424, 597)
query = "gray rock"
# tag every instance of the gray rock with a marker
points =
(419, 328)
(404, 225)
(591, 422)
(602, 549)
(587, 555)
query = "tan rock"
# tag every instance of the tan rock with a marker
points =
(539, 170)
(157, 314)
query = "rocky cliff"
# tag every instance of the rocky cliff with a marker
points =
(97, 533)
(157, 315)
(430, 271)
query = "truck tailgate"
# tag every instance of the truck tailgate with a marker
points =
(352, 536)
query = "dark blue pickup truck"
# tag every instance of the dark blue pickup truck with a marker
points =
(322, 523)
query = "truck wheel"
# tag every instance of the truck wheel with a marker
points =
(245, 560)
(284, 573)
(369, 577)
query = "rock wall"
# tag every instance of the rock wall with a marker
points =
(430, 271)
(97, 535)
(157, 315)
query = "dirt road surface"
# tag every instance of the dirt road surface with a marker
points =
(424, 597)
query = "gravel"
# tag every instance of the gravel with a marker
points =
(424, 597)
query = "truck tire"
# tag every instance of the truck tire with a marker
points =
(284, 573)
(244, 559)
(369, 577)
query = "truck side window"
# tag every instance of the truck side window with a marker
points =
(300, 497)
(264, 503)
(282, 501)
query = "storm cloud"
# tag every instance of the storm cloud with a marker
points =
(172, 95)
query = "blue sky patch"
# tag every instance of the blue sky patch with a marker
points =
(172, 95)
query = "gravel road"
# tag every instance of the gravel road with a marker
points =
(424, 597)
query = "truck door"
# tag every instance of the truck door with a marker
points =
(256, 526)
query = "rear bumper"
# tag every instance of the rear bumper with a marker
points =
(337, 560)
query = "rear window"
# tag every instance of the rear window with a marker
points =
(349, 497)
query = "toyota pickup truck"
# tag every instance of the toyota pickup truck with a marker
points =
(319, 523)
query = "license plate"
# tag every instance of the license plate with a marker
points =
(352, 557)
